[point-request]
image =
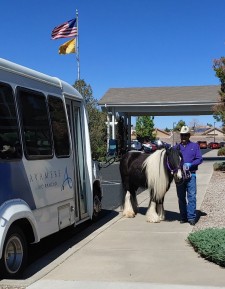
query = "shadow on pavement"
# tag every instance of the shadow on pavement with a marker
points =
(199, 215)
(172, 216)
(52, 247)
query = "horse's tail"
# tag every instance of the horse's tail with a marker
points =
(157, 174)
(123, 168)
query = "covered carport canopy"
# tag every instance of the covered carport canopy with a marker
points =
(157, 101)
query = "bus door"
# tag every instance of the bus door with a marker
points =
(78, 143)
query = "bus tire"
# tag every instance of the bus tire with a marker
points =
(14, 255)
(97, 204)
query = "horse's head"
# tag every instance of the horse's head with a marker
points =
(175, 163)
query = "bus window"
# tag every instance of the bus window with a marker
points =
(35, 124)
(10, 147)
(59, 127)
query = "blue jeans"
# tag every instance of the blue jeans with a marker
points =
(186, 194)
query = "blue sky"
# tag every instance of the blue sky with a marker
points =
(123, 43)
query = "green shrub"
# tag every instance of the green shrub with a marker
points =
(221, 152)
(220, 166)
(210, 244)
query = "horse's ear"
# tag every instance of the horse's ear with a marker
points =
(178, 148)
(168, 150)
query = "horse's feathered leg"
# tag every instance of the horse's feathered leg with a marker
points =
(133, 197)
(135, 204)
(128, 210)
(152, 216)
(160, 210)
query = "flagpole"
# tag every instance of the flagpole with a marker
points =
(77, 49)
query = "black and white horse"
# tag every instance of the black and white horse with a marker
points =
(154, 172)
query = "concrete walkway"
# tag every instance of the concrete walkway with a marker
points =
(131, 253)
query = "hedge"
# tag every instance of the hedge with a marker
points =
(210, 244)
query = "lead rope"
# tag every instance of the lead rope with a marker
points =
(187, 173)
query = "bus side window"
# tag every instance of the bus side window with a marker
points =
(10, 146)
(59, 126)
(35, 124)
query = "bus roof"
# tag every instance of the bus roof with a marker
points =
(38, 76)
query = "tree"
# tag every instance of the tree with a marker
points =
(86, 91)
(145, 127)
(97, 127)
(179, 125)
(219, 109)
(167, 129)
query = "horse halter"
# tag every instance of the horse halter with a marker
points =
(173, 171)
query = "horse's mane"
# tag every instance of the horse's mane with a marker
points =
(157, 173)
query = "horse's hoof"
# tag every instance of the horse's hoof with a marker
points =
(129, 214)
(153, 220)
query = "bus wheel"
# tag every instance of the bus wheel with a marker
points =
(14, 255)
(97, 206)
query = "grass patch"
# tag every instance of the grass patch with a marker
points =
(210, 244)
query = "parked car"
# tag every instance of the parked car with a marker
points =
(222, 144)
(136, 145)
(158, 143)
(154, 146)
(214, 145)
(202, 144)
(149, 147)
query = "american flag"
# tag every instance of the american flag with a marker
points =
(65, 30)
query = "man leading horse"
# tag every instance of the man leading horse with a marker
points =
(186, 191)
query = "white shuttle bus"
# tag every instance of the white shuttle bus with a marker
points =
(46, 170)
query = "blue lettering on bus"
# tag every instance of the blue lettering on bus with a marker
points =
(67, 180)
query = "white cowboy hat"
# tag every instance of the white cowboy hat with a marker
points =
(185, 130)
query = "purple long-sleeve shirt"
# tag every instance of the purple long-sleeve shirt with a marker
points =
(191, 154)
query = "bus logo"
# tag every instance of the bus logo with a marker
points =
(67, 181)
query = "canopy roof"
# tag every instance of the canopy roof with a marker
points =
(174, 100)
